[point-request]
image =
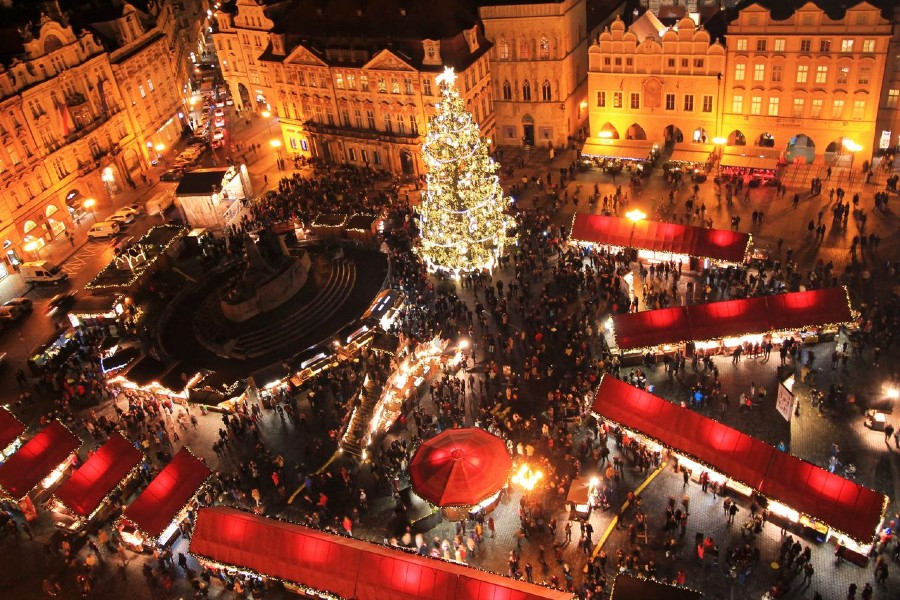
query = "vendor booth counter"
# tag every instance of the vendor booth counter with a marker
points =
(800, 495)
(11, 431)
(759, 168)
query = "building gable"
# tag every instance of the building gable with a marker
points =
(388, 61)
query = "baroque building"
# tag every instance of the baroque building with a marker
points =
(888, 124)
(68, 131)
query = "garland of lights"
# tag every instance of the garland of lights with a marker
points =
(94, 283)
(693, 458)
(463, 223)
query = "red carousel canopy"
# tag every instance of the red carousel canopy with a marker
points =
(99, 475)
(760, 314)
(36, 459)
(344, 566)
(841, 504)
(717, 244)
(10, 428)
(460, 467)
(167, 494)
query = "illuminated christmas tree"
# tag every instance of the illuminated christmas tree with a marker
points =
(463, 223)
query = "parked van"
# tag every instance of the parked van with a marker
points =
(104, 229)
(42, 271)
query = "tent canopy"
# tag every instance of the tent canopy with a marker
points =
(760, 314)
(716, 244)
(460, 467)
(36, 459)
(99, 475)
(10, 428)
(697, 156)
(167, 494)
(828, 498)
(344, 566)
(629, 587)
(749, 162)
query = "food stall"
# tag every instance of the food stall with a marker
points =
(329, 226)
(615, 156)
(799, 495)
(583, 497)
(56, 349)
(384, 309)
(154, 518)
(362, 228)
(86, 496)
(879, 408)
(656, 241)
(813, 316)
(759, 168)
(310, 363)
(11, 431)
(29, 475)
(692, 160)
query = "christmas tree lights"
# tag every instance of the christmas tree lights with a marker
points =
(463, 221)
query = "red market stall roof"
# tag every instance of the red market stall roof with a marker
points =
(36, 459)
(460, 467)
(99, 475)
(10, 428)
(841, 504)
(629, 587)
(716, 244)
(344, 566)
(760, 314)
(167, 494)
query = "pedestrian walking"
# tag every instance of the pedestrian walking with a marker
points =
(491, 526)
(888, 432)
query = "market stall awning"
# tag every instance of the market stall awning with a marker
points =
(36, 459)
(748, 162)
(99, 475)
(724, 449)
(842, 504)
(629, 587)
(10, 428)
(697, 156)
(716, 244)
(460, 467)
(839, 503)
(731, 318)
(167, 494)
(344, 566)
(626, 149)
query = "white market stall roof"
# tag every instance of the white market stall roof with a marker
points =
(627, 149)
(749, 162)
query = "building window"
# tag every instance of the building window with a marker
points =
(684, 63)
(635, 101)
(779, 45)
(760, 45)
(617, 99)
(351, 154)
(864, 74)
(777, 73)
(707, 104)
(755, 105)
(143, 92)
(407, 86)
(893, 99)
(815, 110)
(544, 48)
(671, 63)
(370, 119)
(821, 74)
(376, 157)
(504, 49)
(526, 91)
(618, 61)
(868, 46)
(802, 73)
(351, 81)
(413, 125)
(837, 109)
(824, 46)
(670, 101)
(859, 109)
(773, 106)
(395, 85)
(759, 72)
(345, 117)
(698, 63)
(846, 45)
(742, 45)
(357, 115)
(798, 108)
(688, 102)
(401, 125)
(740, 72)
(629, 61)
(546, 91)
(524, 53)
(607, 61)
(805, 45)
(843, 74)
(382, 85)
(339, 81)
(364, 83)
(150, 84)
(426, 86)
(601, 99)
(507, 90)
(388, 124)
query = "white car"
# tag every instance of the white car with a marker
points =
(219, 112)
(218, 134)
(123, 215)
(220, 122)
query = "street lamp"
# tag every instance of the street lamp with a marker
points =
(719, 141)
(267, 115)
(634, 216)
(277, 145)
(89, 204)
(853, 148)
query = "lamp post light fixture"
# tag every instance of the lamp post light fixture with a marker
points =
(89, 204)
(267, 115)
(634, 216)
(276, 144)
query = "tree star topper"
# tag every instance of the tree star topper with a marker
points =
(448, 77)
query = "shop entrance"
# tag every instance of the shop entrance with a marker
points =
(672, 135)
(406, 163)
(528, 130)
(635, 132)
(801, 148)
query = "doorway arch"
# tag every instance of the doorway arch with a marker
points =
(736, 138)
(244, 94)
(765, 140)
(608, 131)
(635, 132)
(406, 162)
(700, 136)
(800, 148)
(672, 135)
(839, 152)
(527, 130)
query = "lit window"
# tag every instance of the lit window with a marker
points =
(740, 72)
(339, 81)
(837, 109)
(821, 74)
(741, 45)
(843, 74)
(617, 99)
(777, 71)
(846, 45)
(859, 109)
(504, 49)
(755, 105)
(773, 106)
(864, 74)
(798, 108)
(868, 46)
(815, 110)
(759, 72)
(382, 85)
(150, 84)
(545, 47)
(779, 45)
(802, 73)
(893, 98)
(395, 85)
